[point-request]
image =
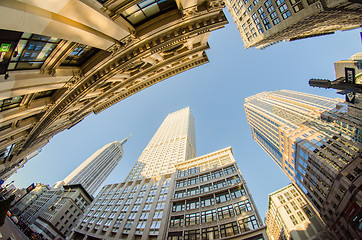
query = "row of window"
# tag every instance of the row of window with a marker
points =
(207, 187)
(205, 177)
(209, 200)
(211, 215)
(223, 231)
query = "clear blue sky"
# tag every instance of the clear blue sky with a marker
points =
(215, 93)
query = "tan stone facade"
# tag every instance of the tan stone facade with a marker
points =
(87, 65)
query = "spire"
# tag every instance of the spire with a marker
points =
(125, 140)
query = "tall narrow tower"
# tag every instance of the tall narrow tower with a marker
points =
(174, 142)
(93, 171)
(172, 194)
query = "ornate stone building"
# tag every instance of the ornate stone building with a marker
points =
(263, 23)
(64, 60)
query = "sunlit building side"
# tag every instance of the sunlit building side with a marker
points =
(309, 151)
(290, 216)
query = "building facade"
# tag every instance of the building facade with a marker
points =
(309, 151)
(172, 194)
(93, 171)
(211, 201)
(60, 218)
(29, 198)
(70, 66)
(290, 216)
(262, 23)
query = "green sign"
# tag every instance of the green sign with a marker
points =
(5, 47)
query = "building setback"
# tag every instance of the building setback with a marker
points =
(262, 23)
(166, 196)
(290, 216)
(71, 65)
(309, 152)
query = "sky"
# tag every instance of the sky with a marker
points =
(215, 92)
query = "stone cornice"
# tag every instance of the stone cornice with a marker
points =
(119, 62)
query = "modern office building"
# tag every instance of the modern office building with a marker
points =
(290, 216)
(287, 126)
(93, 171)
(262, 23)
(60, 65)
(58, 220)
(172, 194)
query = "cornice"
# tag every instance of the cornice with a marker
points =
(124, 57)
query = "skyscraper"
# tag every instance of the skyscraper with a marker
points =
(287, 126)
(56, 74)
(262, 23)
(174, 142)
(93, 171)
(172, 194)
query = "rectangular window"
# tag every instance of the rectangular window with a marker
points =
(193, 180)
(229, 229)
(217, 174)
(219, 184)
(177, 207)
(243, 206)
(294, 220)
(276, 21)
(192, 219)
(192, 234)
(301, 216)
(206, 188)
(210, 233)
(207, 201)
(192, 191)
(205, 177)
(248, 224)
(286, 14)
(225, 212)
(177, 221)
(192, 204)
(233, 180)
(208, 216)
(230, 169)
(237, 192)
(222, 197)
(180, 194)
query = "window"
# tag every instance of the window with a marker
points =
(207, 201)
(281, 199)
(192, 204)
(283, 8)
(175, 236)
(229, 229)
(276, 21)
(181, 183)
(222, 197)
(230, 169)
(268, 3)
(208, 216)
(147, 207)
(180, 194)
(155, 224)
(206, 188)
(233, 180)
(287, 209)
(192, 234)
(286, 14)
(219, 184)
(158, 215)
(298, 7)
(217, 174)
(279, 2)
(205, 177)
(177, 207)
(301, 216)
(273, 15)
(9, 103)
(210, 233)
(225, 212)
(192, 191)
(237, 192)
(248, 224)
(250, 8)
(192, 219)
(193, 180)
(177, 221)
(243, 206)
(294, 220)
